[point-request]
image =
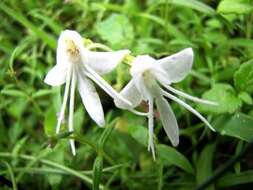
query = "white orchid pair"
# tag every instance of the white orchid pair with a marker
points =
(76, 65)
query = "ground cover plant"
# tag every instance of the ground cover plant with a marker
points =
(34, 156)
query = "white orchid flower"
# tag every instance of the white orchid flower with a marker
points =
(76, 65)
(148, 78)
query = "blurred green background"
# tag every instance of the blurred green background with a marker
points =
(220, 32)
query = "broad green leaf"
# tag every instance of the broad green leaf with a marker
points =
(17, 107)
(97, 172)
(234, 7)
(243, 78)
(245, 97)
(117, 30)
(139, 133)
(50, 122)
(239, 125)
(170, 156)
(224, 95)
(232, 179)
(204, 165)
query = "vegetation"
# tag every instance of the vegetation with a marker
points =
(32, 156)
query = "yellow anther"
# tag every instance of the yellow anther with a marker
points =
(72, 49)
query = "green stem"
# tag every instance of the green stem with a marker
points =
(10, 171)
(68, 170)
(93, 146)
(35, 170)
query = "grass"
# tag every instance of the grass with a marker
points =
(32, 157)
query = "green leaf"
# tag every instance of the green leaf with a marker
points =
(204, 165)
(43, 92)
(97, 172)
(57, 156)
(224, 95)
(170, 28)
(79, 118)
(25, 22)
(171, 156)
(139, 133)
(13, 92)
(240, 42)
(117, 30)
(106, 134)
(17, 107)
(196, 5)
(232, 179)
(245, 97)
(243, 78)
(238, 125)
(11, 173)
(234, 7)
(50, 122)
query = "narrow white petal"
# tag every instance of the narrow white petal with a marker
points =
(91, 99)
(64, 103)
(71, 111)
(168, 119)
(176, 66)
(105, 62)
(104, 85)
(188, 107)
(180, 93)
(151, 127)
(56, 76)
(131, 93)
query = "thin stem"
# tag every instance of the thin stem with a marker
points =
(99, 46)
(160, 177)
(71, 111)
(10, 171)
(64, 103)
(220, 171)
(36, 170)
(93, 146)
(51, 163)
(188, 107)
(139, 113)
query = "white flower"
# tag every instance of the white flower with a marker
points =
(76, 65)
(148, 78)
